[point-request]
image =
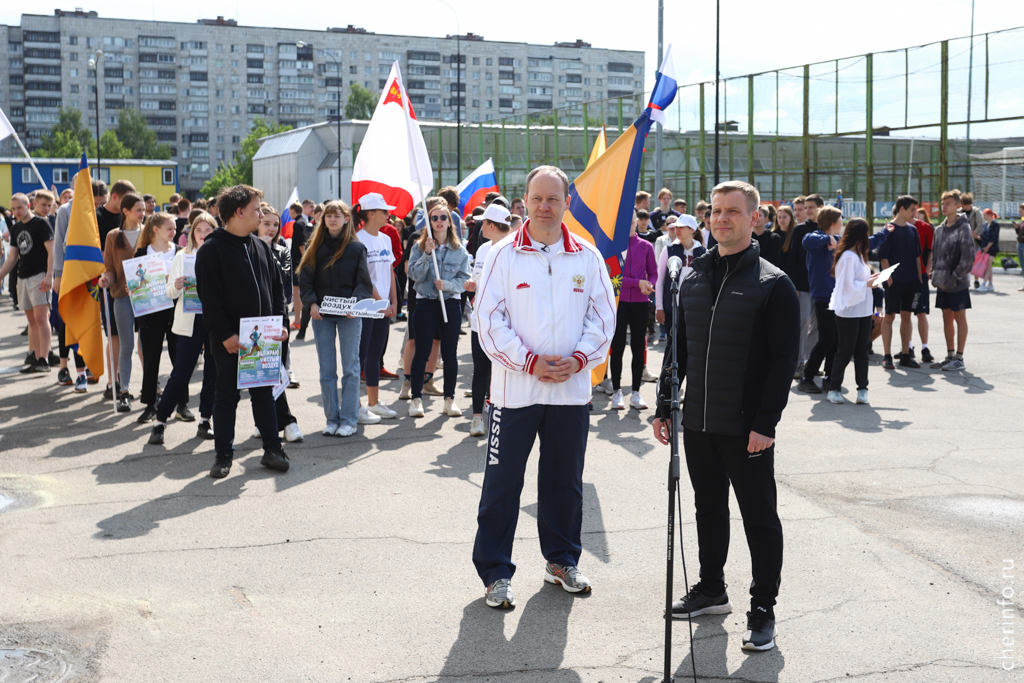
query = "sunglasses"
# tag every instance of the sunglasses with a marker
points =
(439, 219)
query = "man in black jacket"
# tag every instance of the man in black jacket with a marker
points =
(737, 343)
(236, 277)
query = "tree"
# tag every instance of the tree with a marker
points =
(67, 139)
(110, 147)
(240, 172)
(361, 103)
(136, 135)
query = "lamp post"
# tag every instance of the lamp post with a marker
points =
(302, 44)
(94, 64)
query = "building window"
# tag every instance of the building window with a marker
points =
(26, 175)
(100, 174)
(490, 62)
(60, 175)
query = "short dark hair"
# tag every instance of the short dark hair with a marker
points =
(643, 214)
(231, 199)
(478, 211)
(309, 202)
(184, 204)
(967, 198)
(490, 197)
(121, 188)
(99, 188)
(450, 195)
(147, 197)
(501, 201)
(816, 199)
(905, 202)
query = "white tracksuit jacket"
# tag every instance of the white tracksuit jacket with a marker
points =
(526, 308)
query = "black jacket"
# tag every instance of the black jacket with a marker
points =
(349, 276)
(771, 247)
(799, 256)
(737, 343)
(283, 258)
(236, 277)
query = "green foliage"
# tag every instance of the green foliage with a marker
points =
(110, 147)
(361, 103)
(67, 139)
(240, 172)
(136, 135)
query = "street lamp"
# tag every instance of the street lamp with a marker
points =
(301, 44)
(94, 64)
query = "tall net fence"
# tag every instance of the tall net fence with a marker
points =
(873, 126)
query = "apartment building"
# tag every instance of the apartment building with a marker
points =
(200, 85)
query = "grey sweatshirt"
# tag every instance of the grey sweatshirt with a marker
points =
(953, 255)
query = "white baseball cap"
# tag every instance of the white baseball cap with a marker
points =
(373, 200)
(496, 213)
(686, 220)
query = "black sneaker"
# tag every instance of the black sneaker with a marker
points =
(808, 386)
(64, 377)
(301, 336)
(887, 363)
(221, 466)
(910, 354)
(205, 431)
(184, 414)
(908, 361)
(124, 403)
(695, 603)
(761, 630)
(53, 359)
(108, 394)
(275, 460)
(926, 356)
(156, 437)
(148, 414)
(977, 283)
(40, 366)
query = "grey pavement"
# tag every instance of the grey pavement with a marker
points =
(125, 562)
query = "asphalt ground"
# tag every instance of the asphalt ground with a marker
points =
(123, 561)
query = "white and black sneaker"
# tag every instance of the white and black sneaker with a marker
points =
(499, 594)
(696, 603)
(761, 631)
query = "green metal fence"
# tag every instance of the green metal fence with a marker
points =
(872, 125)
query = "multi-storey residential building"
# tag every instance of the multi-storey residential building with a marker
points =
(201, 85)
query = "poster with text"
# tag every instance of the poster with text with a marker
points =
(190, 295)
(259, 358)
(146, 277)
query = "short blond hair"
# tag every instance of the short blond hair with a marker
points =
(753, 197)
(641, 195)
(954, 194)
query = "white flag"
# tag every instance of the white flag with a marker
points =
(6, 128)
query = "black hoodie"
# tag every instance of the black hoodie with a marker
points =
(236, 277)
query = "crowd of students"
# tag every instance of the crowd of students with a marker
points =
(426, 268)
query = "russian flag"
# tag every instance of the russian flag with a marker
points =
(475, 187)
(665, 87)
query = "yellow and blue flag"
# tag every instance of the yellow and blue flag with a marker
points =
(79, 300)
(601, 199)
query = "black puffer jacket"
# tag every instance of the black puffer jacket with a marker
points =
(347, 277)
(737, 343)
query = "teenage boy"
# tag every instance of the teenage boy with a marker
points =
(809, 207)
(150, 201)
(643, 227)
(903, 289)
(659, 215)
(237, 277)
(32, 253)
(679, 206)
(952, 259)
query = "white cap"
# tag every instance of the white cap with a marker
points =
(496, 213)
(373, 200)
(686, 220)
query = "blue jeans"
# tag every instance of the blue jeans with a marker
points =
(348, 332)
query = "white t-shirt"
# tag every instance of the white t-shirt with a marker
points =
(549, 250)
(379, 258)
(478, 270)
(659, 287)
(168, 256)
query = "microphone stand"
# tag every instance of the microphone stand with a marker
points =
(673, 492)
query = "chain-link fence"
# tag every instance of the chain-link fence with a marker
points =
(872, 126)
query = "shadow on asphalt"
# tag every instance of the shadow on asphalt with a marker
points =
(537, 648)
(710, 641)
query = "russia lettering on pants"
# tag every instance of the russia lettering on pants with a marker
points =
(511, 433)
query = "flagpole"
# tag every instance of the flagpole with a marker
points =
(30, 162)
(419, 185)
(658, 141)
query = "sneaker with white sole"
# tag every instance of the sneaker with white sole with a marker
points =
(835, 396)
(862, 396)
(696, 603)
(256, 434)
(345, 430)
(451, 408)
(648, 377)
(330, 430)
(617, 400)
(953, 364)
(406, 393)
(761, 631)
(292, 433)
(476, 427)
(569, 578)
(383, 411)
(416, 408)
(430, 389)
(605, 387)
(499, 594)
(366, 417)
(635, 401)
(81, 384)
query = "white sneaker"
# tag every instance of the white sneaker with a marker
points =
(605, 387)
(292, 433)
(451, 408)
(382, 410)
(617, 400)
(648, 377)
(416, 408)
(256, 433)
(366, 417)
(835, 397)
(330, 430)
(636, 402)
(476, 427)
(862, 396)
(345, 430)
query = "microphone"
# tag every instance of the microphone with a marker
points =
(675, 266)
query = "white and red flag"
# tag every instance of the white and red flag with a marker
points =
(393, 158)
